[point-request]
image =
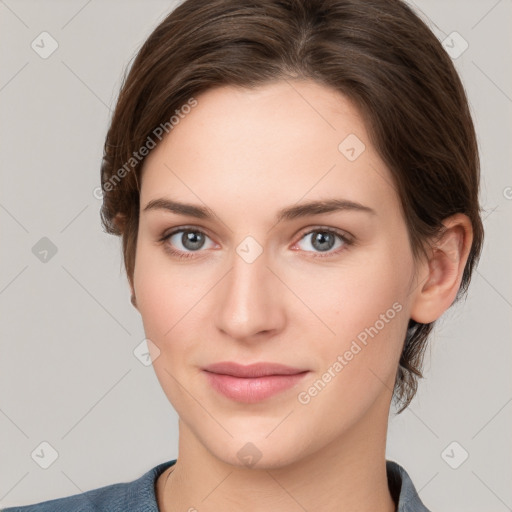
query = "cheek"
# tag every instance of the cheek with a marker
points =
(351, 296)
(166, 292)
(357, 364)
(165, 298)
(173, 301)
(362, 308)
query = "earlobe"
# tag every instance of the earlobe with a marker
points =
(445, 266)
(133, 298)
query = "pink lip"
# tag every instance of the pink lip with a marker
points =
(254, 382)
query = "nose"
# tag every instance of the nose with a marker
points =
(250, 300)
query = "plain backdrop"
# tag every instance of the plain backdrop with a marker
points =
(68, 373)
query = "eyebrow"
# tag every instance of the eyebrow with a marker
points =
(289, 213)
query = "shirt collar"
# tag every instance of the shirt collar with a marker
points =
(402, 489)
(400, 485)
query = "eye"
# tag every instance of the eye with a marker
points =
(323, 240)
(184, 242)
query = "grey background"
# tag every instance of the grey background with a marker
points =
(68, 374)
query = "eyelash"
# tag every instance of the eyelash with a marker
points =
(347, 241)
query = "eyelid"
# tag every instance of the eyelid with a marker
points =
(340, 232)
(177, 229)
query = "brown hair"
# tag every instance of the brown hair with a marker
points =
(378, 53)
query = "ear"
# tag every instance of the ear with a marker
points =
(133, 298)
(119, 221)
(442, 273)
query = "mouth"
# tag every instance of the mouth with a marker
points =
(252, 383)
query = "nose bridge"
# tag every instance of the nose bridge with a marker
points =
(248, 304)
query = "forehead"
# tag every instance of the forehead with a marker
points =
(270, 116)
(282, 140)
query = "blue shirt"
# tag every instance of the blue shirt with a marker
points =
(139, 495)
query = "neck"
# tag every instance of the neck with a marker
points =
(348, 474)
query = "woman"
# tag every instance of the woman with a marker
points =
(296, 186)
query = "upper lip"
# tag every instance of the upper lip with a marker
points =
(252, 370)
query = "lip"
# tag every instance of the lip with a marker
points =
(252, 370)
(252, 383)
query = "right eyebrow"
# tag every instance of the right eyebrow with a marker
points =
(201, 212)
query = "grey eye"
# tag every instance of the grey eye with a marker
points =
(190, 239)
(322, 240)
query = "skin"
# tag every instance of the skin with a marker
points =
(245, 154)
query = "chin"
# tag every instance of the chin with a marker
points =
(258, 450)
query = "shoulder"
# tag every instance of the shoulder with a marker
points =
(120, 497)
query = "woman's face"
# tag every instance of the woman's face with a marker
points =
(326, 291)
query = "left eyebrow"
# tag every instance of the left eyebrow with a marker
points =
(288, 213)
(319, 207)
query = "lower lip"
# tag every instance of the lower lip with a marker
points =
(252, 390)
